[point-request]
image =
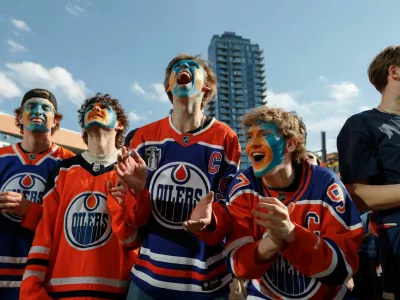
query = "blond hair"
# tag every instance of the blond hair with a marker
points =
(210, 79)
(290, 125)
(378, 70)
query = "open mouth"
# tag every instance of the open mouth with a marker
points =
(184, 78)
(258, 156)
(37, 121)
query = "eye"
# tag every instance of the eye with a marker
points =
(248, 136)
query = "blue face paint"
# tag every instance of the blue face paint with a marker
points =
(38, 115)
(193, 83)
(100, 114)
(265, 140)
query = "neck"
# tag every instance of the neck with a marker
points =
(36, 142)
(187, 116)
(281, 178)
(101, 143)
(390, 102)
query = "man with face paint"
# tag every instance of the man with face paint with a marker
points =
(291, 227)
(82, 245)
(189, 156)
(24, 169)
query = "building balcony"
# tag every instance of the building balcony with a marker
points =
(221, 59)
(224, 47)
(260, 58)
(222, 52)
(261, 76)
(237, 79)
(260, 51)
(260, 70)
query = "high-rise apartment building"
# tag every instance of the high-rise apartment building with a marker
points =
(239, 67)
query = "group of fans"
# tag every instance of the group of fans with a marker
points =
(165, 213)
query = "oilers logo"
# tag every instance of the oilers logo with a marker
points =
(30, 185)
(87, 222)
(284, 280)
(175, 189)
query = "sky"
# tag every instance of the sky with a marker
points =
(316, 53)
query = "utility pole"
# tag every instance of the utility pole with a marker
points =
(323, 146)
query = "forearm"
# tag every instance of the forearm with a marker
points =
(376, 197)
(137, 208)
(32, 218)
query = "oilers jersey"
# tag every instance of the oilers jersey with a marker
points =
(25, 173)
(183, 168)
(82, 244)
(324, 256)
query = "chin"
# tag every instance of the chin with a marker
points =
(265, 172)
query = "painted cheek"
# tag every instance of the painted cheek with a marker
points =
(199, 78)
(26, 118)
(50, 119)
(172, 80)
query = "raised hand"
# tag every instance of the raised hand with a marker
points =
(118, 192)
(132, 170)
(14, 203)
(276, 220)
(201, 214)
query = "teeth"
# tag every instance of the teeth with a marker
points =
(257, 153)
(37, 120)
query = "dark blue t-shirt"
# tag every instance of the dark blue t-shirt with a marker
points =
(369, 148)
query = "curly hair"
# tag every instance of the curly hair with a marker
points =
(121, 115)
(378, 70)
(18, 114)
(210, 79)
(290, 125)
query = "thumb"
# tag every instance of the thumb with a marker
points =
(109, 185)
(291, 207)
(210, 197)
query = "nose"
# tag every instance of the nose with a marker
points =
(184, 66)
(96, 108)
(39, 110)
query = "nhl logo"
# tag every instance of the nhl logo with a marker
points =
(32, 156)
(185, 139)
(282, 196)
(152, 157)
(96, 167)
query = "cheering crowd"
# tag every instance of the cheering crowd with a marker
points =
(163, 212)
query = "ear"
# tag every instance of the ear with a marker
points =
(291, 145)
(394, 72)
(206, 87)
(168, 90)
(119, 126)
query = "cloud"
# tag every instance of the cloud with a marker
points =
(20, 25)
(344, 91)
(26, 75)
(327, 115)
(157, 92)
(74, 9)
(8, 88)
(134, 117)
(322, 78)
(15, 47)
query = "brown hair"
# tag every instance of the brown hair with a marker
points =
(18, 114)
(378, 70)
(210, 79)
(290, 125)
(122, 117)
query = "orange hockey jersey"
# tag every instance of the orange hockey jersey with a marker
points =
(80, 248)
(324, 255)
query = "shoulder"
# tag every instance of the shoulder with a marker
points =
(7, 150)
(224, 128)
(63, 153)
(358, 121)
(151, 127)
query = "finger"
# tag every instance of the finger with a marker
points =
(268, 225)
(267, 217)
(11, 193)
(272, 208)
(8, 205)
(121, 182)
(10, 198)
(118, 195)
(109, 185)
(120, 189)
(271, 200)
(291, 207)
(124, 151)
(135, 155)
(118, 170)
(193, 226)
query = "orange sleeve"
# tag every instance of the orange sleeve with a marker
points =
(331, 255)
(219, 228)
(32, 218)
(32, 286)
(129, 216)
(137, 208)
(243, 239)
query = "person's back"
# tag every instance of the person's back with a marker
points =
(188, 155)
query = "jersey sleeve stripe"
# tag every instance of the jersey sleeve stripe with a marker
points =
(129, 240)
(88, 280)
(39, 250)
(239, 242)
(332, 211)
(182, 260)
(13, 260)
(241, 192)
(177, 286)
(29, 273)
